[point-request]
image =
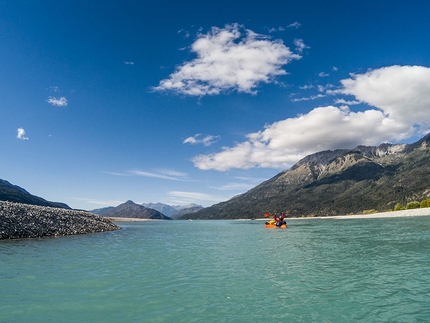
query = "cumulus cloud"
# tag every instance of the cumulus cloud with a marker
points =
(129, 63)
(229, 58)
(206, 141)
(21, 134)
(402, 92)
(61, 102)
(400, 96)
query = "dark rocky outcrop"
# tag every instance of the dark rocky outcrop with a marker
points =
(19, 220)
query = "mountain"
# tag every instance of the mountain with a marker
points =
(130, 209)
(186, 209)
(337, 182)
(174, 211)
(160, 207)
(13, 193)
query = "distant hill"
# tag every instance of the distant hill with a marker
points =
(130, 209)
(160, 207)
(337, 182)
(174, 211)
(13, 193)
(171, 211)
(186, 209)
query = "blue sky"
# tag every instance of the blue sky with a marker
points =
(197, 101)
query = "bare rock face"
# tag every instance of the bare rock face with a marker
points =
(19, 221)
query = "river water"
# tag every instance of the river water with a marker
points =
(355, 270)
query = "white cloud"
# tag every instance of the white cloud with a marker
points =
(400, 95)
(322, 74)
(236, 186)
(206, 141)
(402, 92)
(181, 197)
(162, 174)
(294, 25)
(229, 58)
(21, 134)
(129, 63)
(345, 102)
(272, 30)
(61, 102)
(310, 98)
(300, 45)
(306, 87)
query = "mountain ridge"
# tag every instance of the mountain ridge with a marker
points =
(130, 209)
(337, 182)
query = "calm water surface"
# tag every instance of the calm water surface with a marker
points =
(368, 270)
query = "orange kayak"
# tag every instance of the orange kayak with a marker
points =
(273, 226)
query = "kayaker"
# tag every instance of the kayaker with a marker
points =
(280, 220)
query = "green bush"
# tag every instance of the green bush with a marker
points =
(425, 203)
(413, 205)
(398, 207)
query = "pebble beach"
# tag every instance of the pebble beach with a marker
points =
(18, 221)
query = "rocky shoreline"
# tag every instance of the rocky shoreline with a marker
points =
(19, 221)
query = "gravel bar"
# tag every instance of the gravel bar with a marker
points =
(19, 221)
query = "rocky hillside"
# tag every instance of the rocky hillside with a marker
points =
(13, 193)
(337, 182)
(130, 209)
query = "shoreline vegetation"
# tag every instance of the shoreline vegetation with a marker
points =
(20, 221)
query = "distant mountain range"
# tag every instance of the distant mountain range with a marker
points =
(130, 209)
(171, 211)
(13, 193)
(337, 182)
(174, 211)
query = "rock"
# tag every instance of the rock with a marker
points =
(30, 221)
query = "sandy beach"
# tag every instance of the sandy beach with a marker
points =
(393, 214)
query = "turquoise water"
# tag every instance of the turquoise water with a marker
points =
(368, 270)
